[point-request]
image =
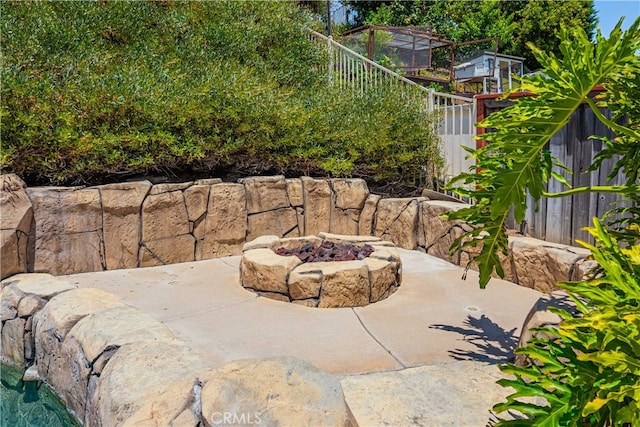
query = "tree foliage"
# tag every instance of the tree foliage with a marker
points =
(101, 90)
(515, 22)
(539, 22)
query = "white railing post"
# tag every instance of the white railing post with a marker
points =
(331, 59)
(431, 101)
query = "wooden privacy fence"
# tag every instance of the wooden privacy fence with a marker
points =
(561, 220)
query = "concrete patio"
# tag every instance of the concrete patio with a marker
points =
(426, 356)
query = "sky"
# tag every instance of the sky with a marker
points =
(610, 11)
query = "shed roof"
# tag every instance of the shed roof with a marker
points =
(414, 38)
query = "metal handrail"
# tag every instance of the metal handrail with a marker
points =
(455, 114)
(366, 60)
(432, 92)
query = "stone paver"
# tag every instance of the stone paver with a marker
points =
(454, 394)
(432, 344)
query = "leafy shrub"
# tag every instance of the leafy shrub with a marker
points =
(588, 371)
(98, 90)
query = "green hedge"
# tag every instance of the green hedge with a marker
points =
(93, 90)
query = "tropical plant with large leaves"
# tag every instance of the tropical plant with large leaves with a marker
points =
(514, 161)
(586, 370)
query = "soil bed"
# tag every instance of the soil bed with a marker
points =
(227, 172)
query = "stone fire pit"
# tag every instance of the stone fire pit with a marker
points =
(321, 284)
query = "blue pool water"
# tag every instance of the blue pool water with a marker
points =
(30, 404)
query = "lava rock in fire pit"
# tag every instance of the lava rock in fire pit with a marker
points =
(327, 251)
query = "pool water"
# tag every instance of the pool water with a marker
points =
(30, 404)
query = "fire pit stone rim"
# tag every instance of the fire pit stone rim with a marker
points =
(354, 283)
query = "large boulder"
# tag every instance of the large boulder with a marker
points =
(295, 192)
(317, 205)
(121, 204)
(226, 221)
(265, 193)
(344, 221)
(436, 233)
(305, 282)
(263, 270)
(16, 208)
(69, 253)
(540, 316)
(349, 193)
(16, 216)
(53, 323)
(13, 246)
(141, 378)
(344, 284)
(196, 198)
(164, 215)
(349, 196)
(397, 221)
(366, 222)
(281, 222)
(170, 250)
(22, 296)
(91, 343)
(384, 278)
(12, 346)
(283, 391)
(540, 265)
(177, 405)
(68, 229)
(166, 233)
(296, 200)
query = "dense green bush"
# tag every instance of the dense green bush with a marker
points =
(95, 90)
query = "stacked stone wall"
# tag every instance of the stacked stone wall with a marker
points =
(66, 230)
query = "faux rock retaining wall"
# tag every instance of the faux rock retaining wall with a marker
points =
(66, 230)
(102, 358)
